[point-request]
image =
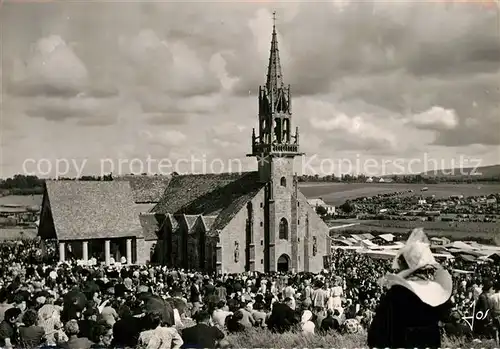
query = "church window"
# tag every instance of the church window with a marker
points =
(283, 181)
(261, 205)
(298, 222)
(261, 261)
(283, 233)
(262, 242)
(261, 224)
(278, 130)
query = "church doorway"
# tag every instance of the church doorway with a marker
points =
(283, 263)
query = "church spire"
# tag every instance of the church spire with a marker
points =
(274, 77)
(275, 136)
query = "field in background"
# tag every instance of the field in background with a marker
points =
(15, 233)
(266, 339)
(337, 193)
(26, 200)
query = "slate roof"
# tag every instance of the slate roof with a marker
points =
(146, 189)
(91, 209)
(216, 195)
(184, 189)
(150, 225)
(143, 208)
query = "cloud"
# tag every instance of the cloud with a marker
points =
(356, 132)
(168, 67)
(169, 138)
(371, 71)
(436, 118)
(54, 70)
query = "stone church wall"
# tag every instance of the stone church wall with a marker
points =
(318, 229)
(235, 232)
(144, 250)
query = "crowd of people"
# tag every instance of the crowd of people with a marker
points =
(44, 303)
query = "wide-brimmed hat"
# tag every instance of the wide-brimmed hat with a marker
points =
(416, 255)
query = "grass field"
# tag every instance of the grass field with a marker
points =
(17, 233)
(27, 200)
(338, 193)
(266, 339)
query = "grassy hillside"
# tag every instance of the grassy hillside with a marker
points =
(484, 171)
(265, 339)
(338, 193)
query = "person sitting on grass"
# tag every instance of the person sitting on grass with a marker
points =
(203, 334)
(331, 322)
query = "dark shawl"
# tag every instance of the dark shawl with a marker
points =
(402, 320)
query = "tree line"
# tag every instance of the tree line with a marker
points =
(29, 185)
(415, 179)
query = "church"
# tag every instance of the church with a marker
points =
(224, 223)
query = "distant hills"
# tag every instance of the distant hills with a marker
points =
(491, 171)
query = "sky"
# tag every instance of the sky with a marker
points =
(378, 87)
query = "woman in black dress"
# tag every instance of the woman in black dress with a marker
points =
(417, 299)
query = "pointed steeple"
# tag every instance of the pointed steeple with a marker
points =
(274, 77)
(275, 136)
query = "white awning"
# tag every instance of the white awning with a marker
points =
(387, 237)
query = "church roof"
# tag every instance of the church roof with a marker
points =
(220, 196)
(90, 210)
(185, 189)
(146, 189)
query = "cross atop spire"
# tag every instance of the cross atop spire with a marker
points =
(274, 78)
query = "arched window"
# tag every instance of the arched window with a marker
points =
(283, 181)
(283, 229)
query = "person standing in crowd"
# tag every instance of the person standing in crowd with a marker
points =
(195, 296)
(418, 298)
(306, 300)
(289, 292)
(319, 296)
